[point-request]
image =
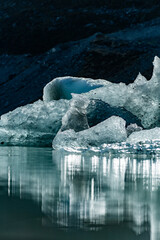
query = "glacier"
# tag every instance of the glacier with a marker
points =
(83, 113)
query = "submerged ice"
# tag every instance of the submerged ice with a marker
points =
(83, 113)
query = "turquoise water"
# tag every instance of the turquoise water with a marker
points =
(47, 194)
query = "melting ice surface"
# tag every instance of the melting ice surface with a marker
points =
(63, 195)
(82, 113)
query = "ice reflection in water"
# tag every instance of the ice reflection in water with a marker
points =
(89, 189)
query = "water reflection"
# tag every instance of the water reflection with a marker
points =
(86, 190)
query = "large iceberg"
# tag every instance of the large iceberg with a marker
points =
(83, 112)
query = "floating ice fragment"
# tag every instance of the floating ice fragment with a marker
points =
(33, 124)
(144, 136)
(109, 131)
(21, 137)
(39, 116)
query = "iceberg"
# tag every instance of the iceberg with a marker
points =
(143, 136)
(34, 124)
(21, 137)
(82, 112)
(109, 131)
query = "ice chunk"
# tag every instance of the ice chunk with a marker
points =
(144, 98)
(156, 70)
(144, 135)
(98, 111)
(39, 116)
(33, 122)
(75, 118)
(133, 128)
(113, 94)
(140, 80)
(109, 131)
(144, 107)
(61, 88)
(11, 137)
(141, 98)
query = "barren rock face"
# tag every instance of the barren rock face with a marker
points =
(37, 26)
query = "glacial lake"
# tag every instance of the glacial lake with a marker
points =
(46, 194)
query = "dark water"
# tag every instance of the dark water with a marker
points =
(47, 194)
